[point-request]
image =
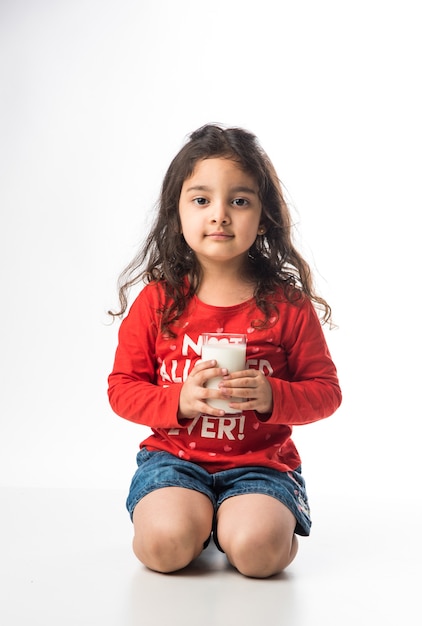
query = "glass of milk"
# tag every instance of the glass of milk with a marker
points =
(229, 350)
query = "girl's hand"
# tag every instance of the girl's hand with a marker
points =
(251, 385)
(192, 401)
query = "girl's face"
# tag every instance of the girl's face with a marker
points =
(220, 211)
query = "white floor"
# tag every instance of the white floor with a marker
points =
(65, 559)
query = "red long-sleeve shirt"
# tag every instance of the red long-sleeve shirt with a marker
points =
(149, 370)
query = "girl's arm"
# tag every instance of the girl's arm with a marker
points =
(312, 391)
(133, 390)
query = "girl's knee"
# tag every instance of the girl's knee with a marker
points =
(166, 545)
(171, 526)
(257, 557)
(165, 551)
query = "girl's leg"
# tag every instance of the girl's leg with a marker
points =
(256, 532)
(171, 526)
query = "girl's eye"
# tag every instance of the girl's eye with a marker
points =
(240, 202)
(200, 201)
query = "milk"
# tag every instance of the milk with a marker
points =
(228, 351)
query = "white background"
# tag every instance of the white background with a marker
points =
(96, 98)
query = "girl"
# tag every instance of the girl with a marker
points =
(220, 258)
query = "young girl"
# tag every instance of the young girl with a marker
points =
(220, 258)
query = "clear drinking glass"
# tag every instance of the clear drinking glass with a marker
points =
(229, 350)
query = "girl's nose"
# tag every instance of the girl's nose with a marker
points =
(220, 214)
(223, 220)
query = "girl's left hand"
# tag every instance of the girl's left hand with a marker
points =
(251, 385)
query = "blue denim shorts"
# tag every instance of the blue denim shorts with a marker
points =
(161, 469)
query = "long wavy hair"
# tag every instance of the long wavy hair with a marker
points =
(273, 260)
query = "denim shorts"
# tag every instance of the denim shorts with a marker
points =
(161, 469)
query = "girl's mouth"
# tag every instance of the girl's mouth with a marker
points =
(219, 235)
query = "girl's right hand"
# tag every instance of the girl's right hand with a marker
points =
(192, 401)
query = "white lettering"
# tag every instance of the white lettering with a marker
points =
(262, 365)
(176, 379)
(186, 369)
(193, 424)
(225, 427)
(216, 427)
(189, 343)
(173, 377)
(208, 424)
(163, 372)
(265, 367)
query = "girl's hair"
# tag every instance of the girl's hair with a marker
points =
(273, 260)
